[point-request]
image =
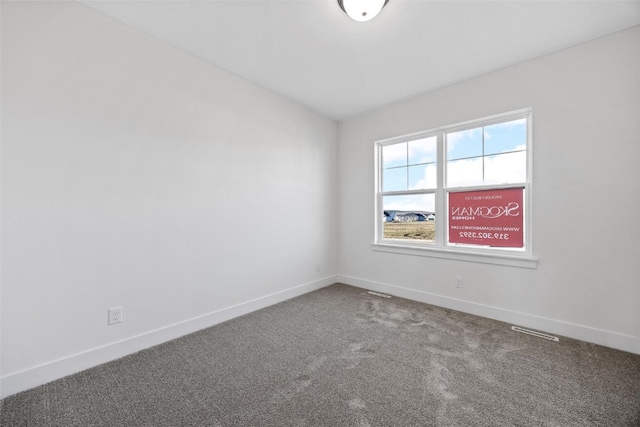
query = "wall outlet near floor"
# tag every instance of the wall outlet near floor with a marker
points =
(459, 282)
(115, 315)
(317, 266)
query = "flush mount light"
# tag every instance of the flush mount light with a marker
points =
(362, 10)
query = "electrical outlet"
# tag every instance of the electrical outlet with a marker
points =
(459, 282)
(318, 266)
(115, 315)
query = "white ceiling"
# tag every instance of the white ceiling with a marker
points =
(313, 53)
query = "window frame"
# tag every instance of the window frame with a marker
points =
(441, 248)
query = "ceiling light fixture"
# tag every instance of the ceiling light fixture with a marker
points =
(362, 10)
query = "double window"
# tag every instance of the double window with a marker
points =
(463, 188)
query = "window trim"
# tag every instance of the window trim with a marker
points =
(441, 248)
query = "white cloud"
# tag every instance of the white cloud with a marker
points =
(423, 150)
(418, 202)
(394, 155)
(505, 168)
(410, 153)
(464, 173)
(429, 180)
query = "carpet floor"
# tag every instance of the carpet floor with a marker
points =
(342, 357)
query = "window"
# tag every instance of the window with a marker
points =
(459, 190)
(409, 183)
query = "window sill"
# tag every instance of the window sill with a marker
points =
(522, 261)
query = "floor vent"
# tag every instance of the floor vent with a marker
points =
(378, 294)
(535, 333)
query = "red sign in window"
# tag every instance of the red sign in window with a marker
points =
(487, 217)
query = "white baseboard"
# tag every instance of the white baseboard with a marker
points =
(42, 374)
(570, 330)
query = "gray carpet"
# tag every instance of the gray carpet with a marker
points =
(342, 357)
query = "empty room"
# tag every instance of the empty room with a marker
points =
(320, 213)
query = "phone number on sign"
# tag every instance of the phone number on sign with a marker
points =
(476, 235)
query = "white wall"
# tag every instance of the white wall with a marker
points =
(586, 195)
(136, 175)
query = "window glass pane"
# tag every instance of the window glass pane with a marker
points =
(505, 168)
(394, 179)
(464, 173)
(423, 150)
(505, 137)
(463, 144)
(409, 217)
(422, 177)
(394, 155)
